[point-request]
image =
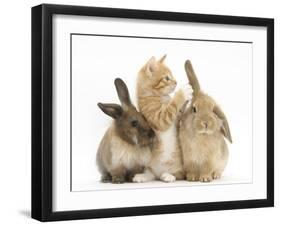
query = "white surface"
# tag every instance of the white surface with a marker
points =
(221, 68)
(15, 113)
(224, 68)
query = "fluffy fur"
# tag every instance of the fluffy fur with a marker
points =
(154, 85)
(202, 129)
(126, 147)
(118, 160)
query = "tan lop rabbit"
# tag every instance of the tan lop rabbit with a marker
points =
(203, 128)
(126, 146)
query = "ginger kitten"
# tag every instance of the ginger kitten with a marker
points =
(155, 83)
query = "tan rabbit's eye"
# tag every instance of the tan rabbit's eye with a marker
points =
(194, 110)
(134, 123)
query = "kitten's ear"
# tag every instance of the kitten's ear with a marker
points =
(151, 66)
(163, 58)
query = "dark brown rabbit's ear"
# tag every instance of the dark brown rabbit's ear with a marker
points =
(225, 127)
(123, 92)
(113, 110)
(192, 77)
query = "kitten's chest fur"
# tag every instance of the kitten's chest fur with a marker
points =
(165, 99)
(167, 157)
(168, 140)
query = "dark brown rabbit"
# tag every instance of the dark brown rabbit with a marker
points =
(126, 146)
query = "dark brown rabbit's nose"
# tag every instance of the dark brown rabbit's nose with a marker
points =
(150, 133)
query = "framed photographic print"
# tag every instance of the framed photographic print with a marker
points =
(145, 112)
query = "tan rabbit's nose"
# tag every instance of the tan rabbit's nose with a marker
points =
(204, 124)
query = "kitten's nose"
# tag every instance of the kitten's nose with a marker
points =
(150, 133)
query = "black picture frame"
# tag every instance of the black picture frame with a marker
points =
(42, 111)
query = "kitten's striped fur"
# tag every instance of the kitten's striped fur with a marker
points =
(154, 85)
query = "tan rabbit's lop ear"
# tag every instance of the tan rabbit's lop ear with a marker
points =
(225, 127)
(151, 66)
(123, 92)
(162, 58)
(113, 110)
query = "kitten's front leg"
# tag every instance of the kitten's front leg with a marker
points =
(182, 98)
(144, 177)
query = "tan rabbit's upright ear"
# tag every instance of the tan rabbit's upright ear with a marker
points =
(151, 66)
(123, 92)
(192, 77)
(113, 110)
(162, 58)
(225, 127)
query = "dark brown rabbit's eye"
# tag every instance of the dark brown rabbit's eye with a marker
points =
(167, 78)
(194, 110)
(134, 123)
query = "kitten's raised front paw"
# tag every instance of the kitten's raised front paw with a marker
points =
(187, 91)
(206, 178)
(140, 178)
(166, 177)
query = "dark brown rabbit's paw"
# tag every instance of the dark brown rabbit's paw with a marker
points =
(106, 178)
(129, 176)
(118, 179)
(206, 178)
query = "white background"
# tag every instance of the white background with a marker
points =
(15, 112)
(223, 69)
(220, 62)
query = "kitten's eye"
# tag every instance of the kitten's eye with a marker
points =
(167, 78)
(194, 110)
(134, 123)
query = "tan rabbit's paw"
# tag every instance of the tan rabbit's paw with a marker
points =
(191, 177)
(206, 178)
(118, 179)
(216, 175)
(166, 177)
(187, 91)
